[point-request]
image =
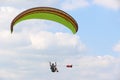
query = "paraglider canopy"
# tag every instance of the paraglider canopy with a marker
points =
(47, 13)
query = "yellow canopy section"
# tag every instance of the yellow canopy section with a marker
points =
(47, 13)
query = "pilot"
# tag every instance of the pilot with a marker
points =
(53, 67)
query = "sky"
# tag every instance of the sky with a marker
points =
(94, 51)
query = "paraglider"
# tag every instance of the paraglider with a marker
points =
(47, 13)
(53, 67)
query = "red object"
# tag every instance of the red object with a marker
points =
(69, 66)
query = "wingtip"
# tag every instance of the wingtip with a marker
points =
(11, 31)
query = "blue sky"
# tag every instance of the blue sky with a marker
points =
(94, 50)
(100, 28)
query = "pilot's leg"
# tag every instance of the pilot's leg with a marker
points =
(57, 70)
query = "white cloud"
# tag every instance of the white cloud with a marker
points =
(117, 47)
(12, 41)
(111, 4)
(4, 75)
(6, 15)
(95, 67)
(27, 3)
(31, 66)
(74, 4)
(57, 42)
(93, 61)
(84, 67)
(42, 40)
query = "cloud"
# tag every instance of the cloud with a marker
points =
(4, 75)
(65, 5)
(74, 4)
(12, 41)
(51, 43)
(111, 4)
(32, 66)
(44, 40)
(93, 61)
(95, 67)
(28, 3)
(116, 48)
(6, 15)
